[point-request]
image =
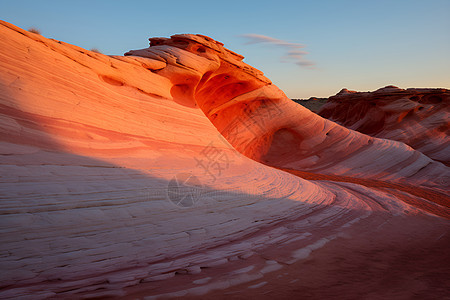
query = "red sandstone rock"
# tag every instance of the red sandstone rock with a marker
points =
(262, 123)
(419, 118)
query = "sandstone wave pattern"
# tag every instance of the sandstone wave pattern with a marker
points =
(123, 174)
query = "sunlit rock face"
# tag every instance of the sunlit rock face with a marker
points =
(416, 117)
(262, 123)
(124, 170)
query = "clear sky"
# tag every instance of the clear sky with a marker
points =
(307, 48)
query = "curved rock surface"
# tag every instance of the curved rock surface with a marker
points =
(115, 172)
(262, 123)
(416, 117)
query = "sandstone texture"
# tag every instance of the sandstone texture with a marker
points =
(178, 169)
(419, 118)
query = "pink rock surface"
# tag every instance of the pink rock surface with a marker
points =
(119, 174)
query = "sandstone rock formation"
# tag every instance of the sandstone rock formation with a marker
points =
(121, 171)
(262, 123)
(416, 117)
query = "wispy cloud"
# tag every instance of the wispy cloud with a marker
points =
(293, 50)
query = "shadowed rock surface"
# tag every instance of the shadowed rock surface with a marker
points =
(313, 104)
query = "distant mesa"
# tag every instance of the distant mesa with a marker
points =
(416, 117)
(345, 91)
(313, 104)
(389, 89)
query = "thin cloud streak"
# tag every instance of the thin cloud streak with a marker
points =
(293, 49)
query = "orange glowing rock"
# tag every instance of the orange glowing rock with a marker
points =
(262, 123)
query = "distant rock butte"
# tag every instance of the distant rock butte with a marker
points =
(121, 171)
(419, 118)
(313, 104)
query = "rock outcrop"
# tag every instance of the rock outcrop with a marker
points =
(119, 171)
(416, 117)
(313, 104)
(263, 124)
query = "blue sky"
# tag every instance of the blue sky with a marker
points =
(358, 44)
